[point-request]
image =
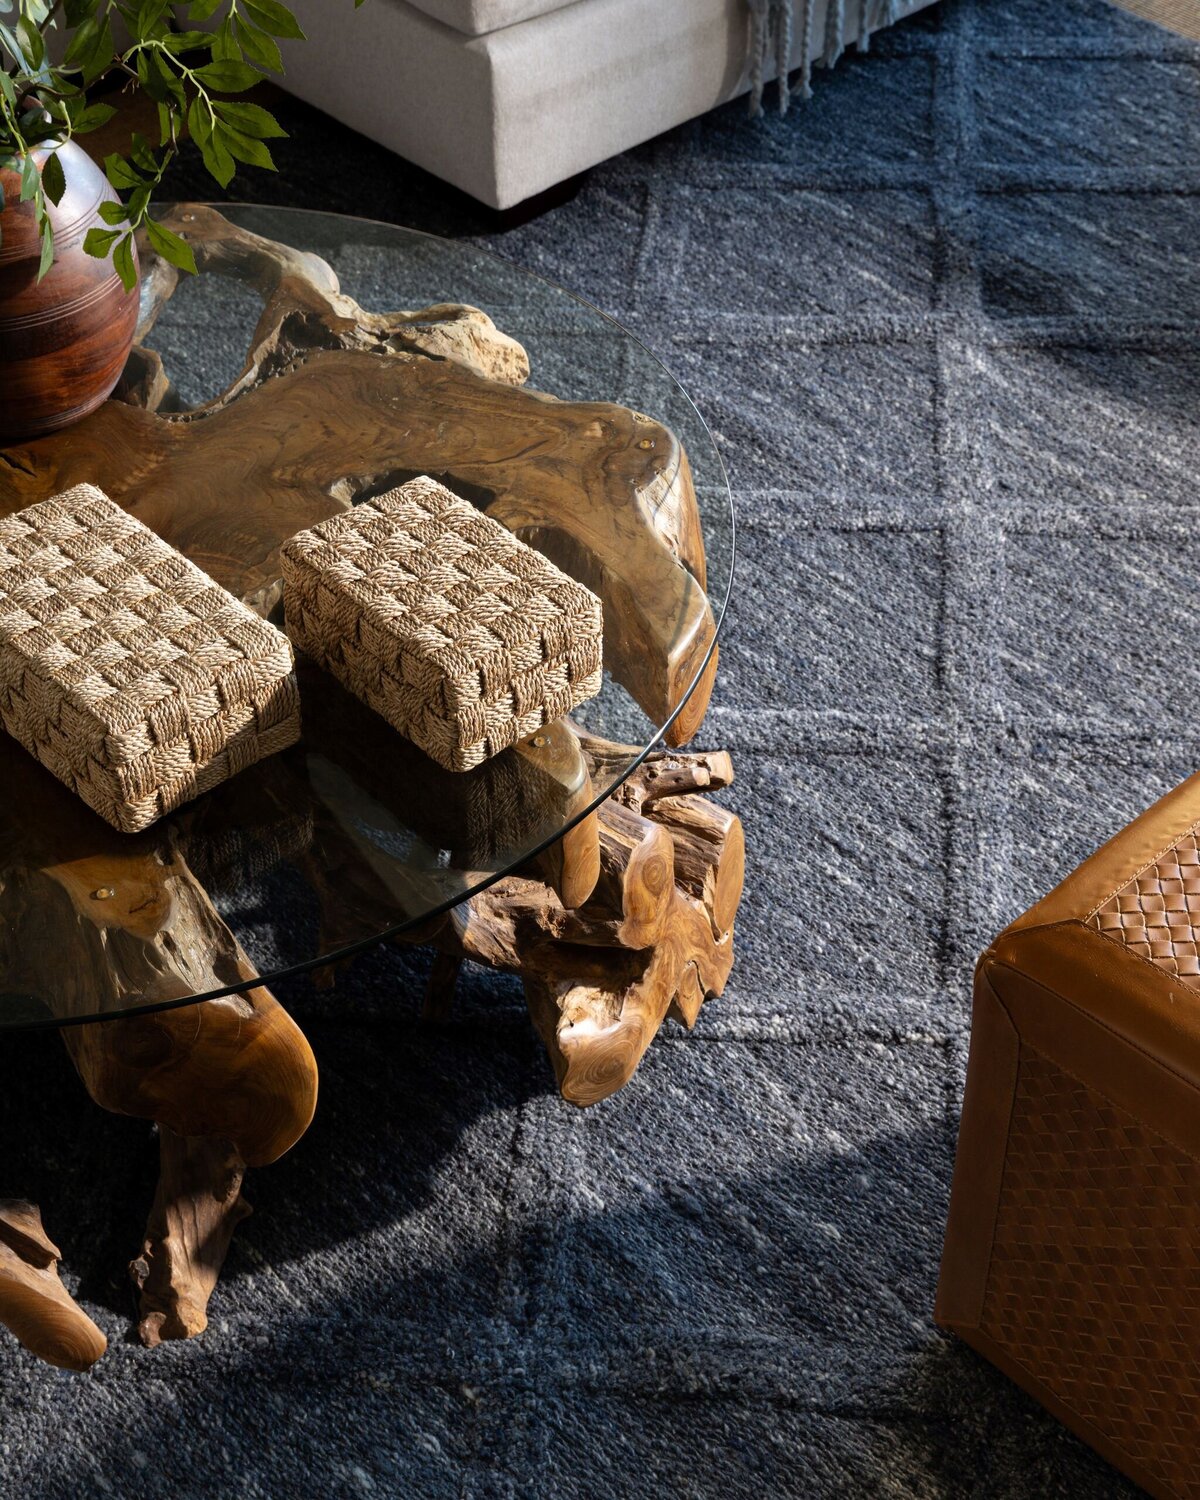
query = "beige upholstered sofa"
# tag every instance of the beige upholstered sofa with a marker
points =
(504, 98)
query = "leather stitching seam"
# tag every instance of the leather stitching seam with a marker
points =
(1117, 1037)
(1012, 1102)
(1150, 863)
(1159, 969)
(1124, 1108)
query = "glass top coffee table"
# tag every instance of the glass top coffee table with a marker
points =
(266, 394)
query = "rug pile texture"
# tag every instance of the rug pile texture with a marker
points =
(944, 321)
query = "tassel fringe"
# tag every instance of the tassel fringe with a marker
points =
(835, 32)
(806, 49)
(771, 30)
(864, 25)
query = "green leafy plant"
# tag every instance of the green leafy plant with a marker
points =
(53, 54)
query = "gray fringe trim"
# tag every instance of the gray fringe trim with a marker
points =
(835, 32)
(864, 25)
(771, 37)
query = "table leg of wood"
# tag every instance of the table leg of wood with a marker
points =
(34, 1304)
(232, 1083)
(197, 1207)
(113, 921)
(571, 865)
(654, 938)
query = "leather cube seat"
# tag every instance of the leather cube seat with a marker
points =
(1072, 1254)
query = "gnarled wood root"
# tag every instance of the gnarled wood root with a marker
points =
(654, 939)
(112, 921)
(626, 920)
(197, 1207)
(232, 1083)
(34, 1304)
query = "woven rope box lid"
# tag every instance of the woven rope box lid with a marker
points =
(458, 634)
(129, 673)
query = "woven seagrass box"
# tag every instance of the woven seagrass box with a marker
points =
(129, 673)
(437, 617)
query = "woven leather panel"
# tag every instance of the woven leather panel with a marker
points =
(440, 619)
(131, 675)
(1094, 1281)
(1157, 913)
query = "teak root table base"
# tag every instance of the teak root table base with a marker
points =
(628, 919)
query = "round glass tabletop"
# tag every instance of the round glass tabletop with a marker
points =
(353, 835)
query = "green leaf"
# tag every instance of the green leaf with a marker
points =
(142, 155)
(46, 259)
(120, 173)
(259, 47)
(149, 18)
(150, 78)
(227, 76)
(159, 79)
(139, 202)
(123, 261)
(91, 117)
(82, 42)
(30, 181)
(275, 18)
(6, 88)
(165, 118)
(68, 88)
(188, 41)
(200, 10)
(11, 45)
(224, 43)
(79, 11)
(37, 127)
(31, 42)
(198, 122)
(171, 247)
(250, 119)
(99, 242)
(246, 148)
(54, 183)
(33, 118)
(113, 213)
(217, 159)
(100, 56)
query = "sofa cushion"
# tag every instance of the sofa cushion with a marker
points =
(479, 17)
(505, 115)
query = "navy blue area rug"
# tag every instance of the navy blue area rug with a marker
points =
(945, 323)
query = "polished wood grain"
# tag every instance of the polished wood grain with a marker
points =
(63, 341)
(629, 920)
(34, 1304)
(655, 939)
(98, 921)
(603, 491)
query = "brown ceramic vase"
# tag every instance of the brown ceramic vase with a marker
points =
(63, 342)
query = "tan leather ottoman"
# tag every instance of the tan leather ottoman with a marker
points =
(1072, 1255)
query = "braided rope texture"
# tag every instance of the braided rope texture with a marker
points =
(462, 637)
(125, 670)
